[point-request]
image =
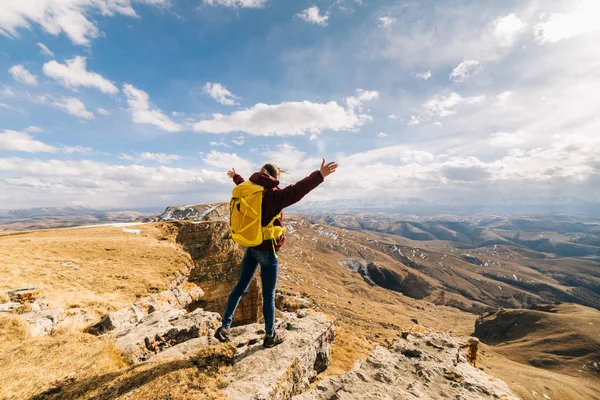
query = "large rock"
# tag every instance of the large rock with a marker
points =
(284, 370)
(162, 330)
(217, 265)
(23, 295)
(177, 298)
(43, 323)
(424, 365)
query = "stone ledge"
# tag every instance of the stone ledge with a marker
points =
(163, 330)
(177, 298)
(284, 370)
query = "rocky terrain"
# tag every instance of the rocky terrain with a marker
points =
(481, 263)
(365, 316)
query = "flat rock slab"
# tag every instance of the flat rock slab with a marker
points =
(423, 366)
(162, 330)
(43, 323)
(177, 298)
(23, 295)
(284, 370)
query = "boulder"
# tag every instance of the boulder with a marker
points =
(177, 298)
(284, 370)
(425, 365)
(162, 330)
(23, 295)
(43, 323)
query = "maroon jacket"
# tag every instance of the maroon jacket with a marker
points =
(275, 199)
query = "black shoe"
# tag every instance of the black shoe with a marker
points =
(222, 335)
(273, 341)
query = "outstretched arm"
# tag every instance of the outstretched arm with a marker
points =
(294, 193)
(237, 178)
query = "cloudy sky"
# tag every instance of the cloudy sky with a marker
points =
(129, 103)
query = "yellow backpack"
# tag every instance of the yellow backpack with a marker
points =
(245, 215)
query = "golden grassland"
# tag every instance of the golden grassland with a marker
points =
(115, 268)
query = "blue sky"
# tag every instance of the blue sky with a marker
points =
(124, 103)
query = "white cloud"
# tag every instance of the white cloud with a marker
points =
(74, 107)
(33, 129)
(236, 3)
(20, 141)
(386, 22)
(583, 19)
(313, 16)
(32, 182)
(220, 143)
(414, 120)
(77, 149)
(74, 74)
(444, 106)
(464, 70)
(292, 160)
(162, 158)
(71, 17)
(506, 29)
(382, 135)
(102, 111)
(141, 113)
(226, 161)
(220, 94)
(362, 96)
(45, 50)
(504, 139)
(423, 75)
(20, 74)
(286, 119)
(504, 96)
(239, 141)
(393, 116)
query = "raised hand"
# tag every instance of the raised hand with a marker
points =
(231, 173)
(328, 169)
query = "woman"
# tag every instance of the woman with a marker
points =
(274, 201)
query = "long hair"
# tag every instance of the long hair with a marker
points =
(272, 170)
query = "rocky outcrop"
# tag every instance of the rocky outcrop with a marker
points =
(162, 330)
(22, 295)
(409, 284)
(284, 370)
(217, 265)
(424, 365)
(177, 298)
(33, 308)
(197, 212)
(43, 323)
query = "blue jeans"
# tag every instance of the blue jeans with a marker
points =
(268, 276)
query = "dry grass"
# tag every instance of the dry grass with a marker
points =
(12, 328)
(4, 298)
(346, 350)
(196, 377)
(116, 268)
(31, 364)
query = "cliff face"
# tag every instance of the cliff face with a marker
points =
(217, 262)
